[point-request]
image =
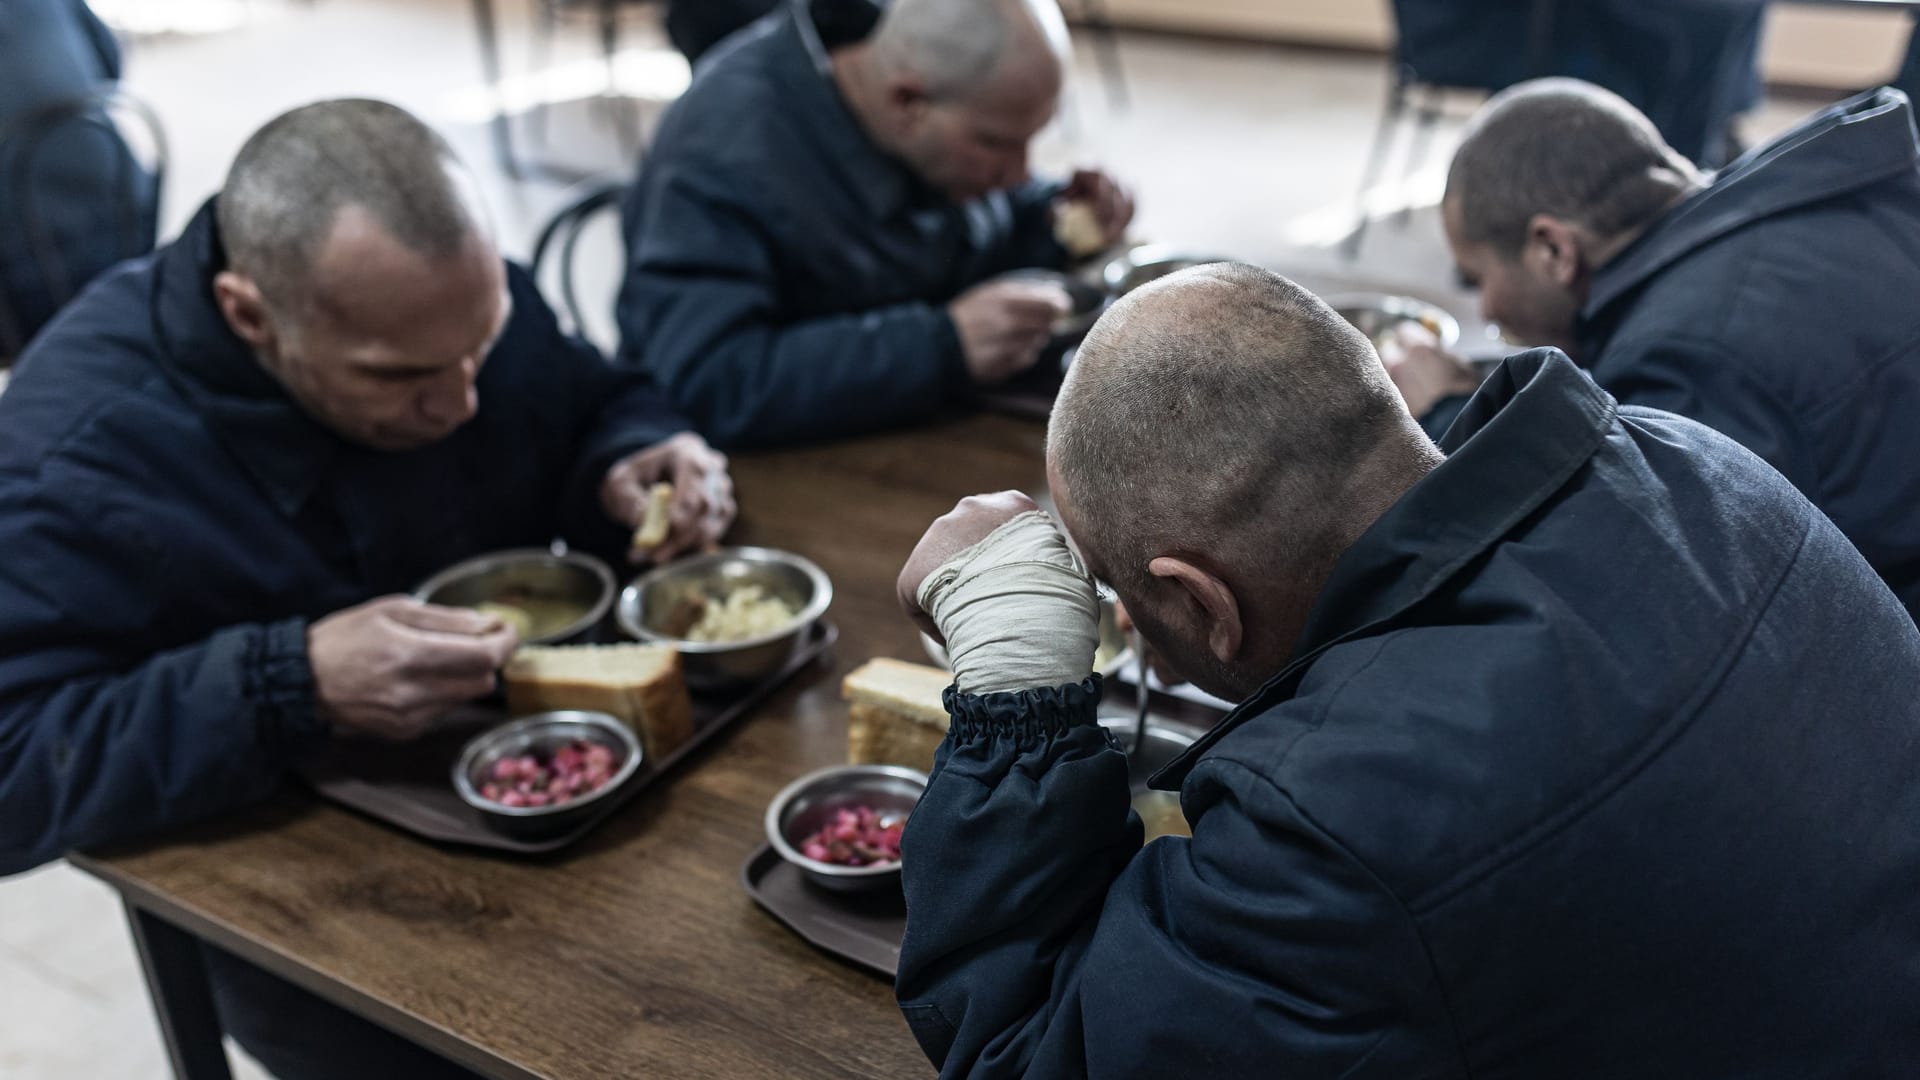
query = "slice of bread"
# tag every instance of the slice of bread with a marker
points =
(894, 713)
(656, 523)
(642, 685)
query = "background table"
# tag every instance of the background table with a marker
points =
(635, 953)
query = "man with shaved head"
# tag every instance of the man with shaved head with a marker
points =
(816, 239)
(223, 466)
(1577, 745)
(1773, 301)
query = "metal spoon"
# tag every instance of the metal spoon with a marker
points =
(1140, 691)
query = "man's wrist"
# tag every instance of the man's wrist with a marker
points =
(1017, 609)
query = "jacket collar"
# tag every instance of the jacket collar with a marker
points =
(809, 31)
(1530, 427)
(284, 450)
(1852, 145)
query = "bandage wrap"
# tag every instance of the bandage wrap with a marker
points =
(1017, 609)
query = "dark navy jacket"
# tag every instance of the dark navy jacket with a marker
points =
(1597, 758)
(1782, 306)
(170, 521)
(89, 201)
(785, 279)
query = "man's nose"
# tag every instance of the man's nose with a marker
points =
(453, 399)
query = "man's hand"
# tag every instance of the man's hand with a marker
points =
(702, 506)
(1423, 372)
(968, 523)
(1004, 324)
(390, 667)
(1112, 204)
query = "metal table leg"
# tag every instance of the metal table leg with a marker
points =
(182, 997)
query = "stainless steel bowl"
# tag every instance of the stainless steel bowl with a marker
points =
(542, 733)
(1150, 262)
(652, 598)
(1378, 315)
(803, 806)
(1119, 654)
(549, 578)
(1089, 300)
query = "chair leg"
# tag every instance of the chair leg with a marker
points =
(1425, 120)
(546, 22)
(623, 114)
(484, 27)
(1376, 160)
(1106, 48)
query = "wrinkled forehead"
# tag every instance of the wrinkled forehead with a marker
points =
(367, 279)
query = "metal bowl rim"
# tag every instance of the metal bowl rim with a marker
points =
(609, 586)
(626, 610)
(1386, 303)
(463, 768)
(787, 794)
(1114, 274)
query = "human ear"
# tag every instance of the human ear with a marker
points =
(244, 309)
(1216, 607)
(1554, 250)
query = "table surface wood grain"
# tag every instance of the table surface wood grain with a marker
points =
(635, 952)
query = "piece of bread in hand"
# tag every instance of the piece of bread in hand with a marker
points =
(642, 685)
(656, 523)
(1077, 228)
(895, 715)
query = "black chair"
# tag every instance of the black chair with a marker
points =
(1690, 67)
(1429, 62)
(126, 226)
(607, 15)
(556, 251)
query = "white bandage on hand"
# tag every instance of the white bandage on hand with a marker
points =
(1017, 609)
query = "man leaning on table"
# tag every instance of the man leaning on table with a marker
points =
(222, 463)
(813, 237)
(1578, 745)
(1773, 301)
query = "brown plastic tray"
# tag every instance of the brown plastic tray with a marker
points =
(409, 785)
(861, 928)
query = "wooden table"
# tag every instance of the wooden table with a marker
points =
(636, 952)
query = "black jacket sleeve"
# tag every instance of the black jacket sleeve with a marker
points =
(700, 308)
(100, 740)
(1043, 940)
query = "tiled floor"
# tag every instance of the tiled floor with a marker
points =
(1242, 149)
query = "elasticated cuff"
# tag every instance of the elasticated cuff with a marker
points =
(277, 680)
(1026, 715)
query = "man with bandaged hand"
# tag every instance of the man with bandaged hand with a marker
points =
(1551, 736)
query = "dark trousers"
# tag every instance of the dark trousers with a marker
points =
(297, 1036)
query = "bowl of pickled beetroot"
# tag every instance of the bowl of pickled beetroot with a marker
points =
(841, 826)
(545, 773)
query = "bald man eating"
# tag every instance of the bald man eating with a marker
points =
(814, 239)
(1577, 745)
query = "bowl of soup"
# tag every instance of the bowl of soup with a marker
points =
(549, 597)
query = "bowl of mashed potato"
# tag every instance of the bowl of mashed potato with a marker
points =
(737, 615)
